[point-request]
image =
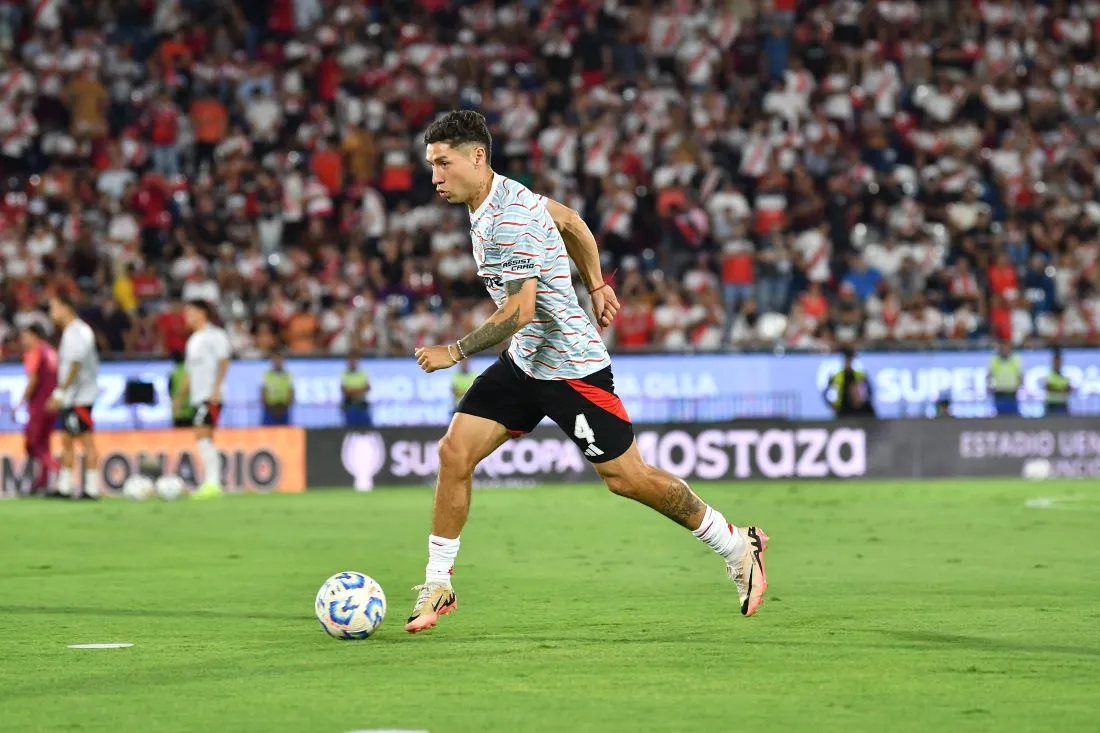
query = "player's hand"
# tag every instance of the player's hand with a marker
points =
(433, 358)
(605, 305)
(53, 404)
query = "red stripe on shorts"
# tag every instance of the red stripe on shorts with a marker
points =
(85, 414)
(601, 398)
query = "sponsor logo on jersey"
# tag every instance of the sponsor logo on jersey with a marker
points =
(523, 265)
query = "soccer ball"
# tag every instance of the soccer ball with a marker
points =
(169, 487)
(1038, 469)
(350, 606)
(138, 487)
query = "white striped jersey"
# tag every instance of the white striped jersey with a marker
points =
(514, 238)
(206, 349)
(77, 348)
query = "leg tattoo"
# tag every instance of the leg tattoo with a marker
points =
(679, 503)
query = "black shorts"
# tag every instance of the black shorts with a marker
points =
(587, 409)
(77, 420)
(207, 414)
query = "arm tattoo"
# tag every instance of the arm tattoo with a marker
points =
(679, 502)
(499, 327)
(490, 333)
(513, 287)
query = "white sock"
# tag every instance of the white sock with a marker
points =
(65, 481)
(211, 462)
(719, 535)
(441, 559)
(91, 482)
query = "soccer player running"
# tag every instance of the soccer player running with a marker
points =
(77, 392)
(556, 366)
(40, 361)
(207, 361)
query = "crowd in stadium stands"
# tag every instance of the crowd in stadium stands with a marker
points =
(758, 172)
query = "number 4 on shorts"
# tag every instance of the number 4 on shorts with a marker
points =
(583, 431)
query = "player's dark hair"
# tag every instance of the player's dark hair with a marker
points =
(36, 329)
(459, 127)
(209, 309)
(203, 306)
(65, 299)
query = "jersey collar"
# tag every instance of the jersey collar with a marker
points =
(497, 178)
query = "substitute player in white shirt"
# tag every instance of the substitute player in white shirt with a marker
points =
(206, 362)
(76, 393)
(556, 366)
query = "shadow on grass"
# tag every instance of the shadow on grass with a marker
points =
(180, 613)
(981, 643)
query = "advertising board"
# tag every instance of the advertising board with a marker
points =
(257, 459)
(407, 456)
(877, 449)
(1065, 449)
(655, 388)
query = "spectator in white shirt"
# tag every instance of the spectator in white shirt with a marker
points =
(886, 257)
(673, 319)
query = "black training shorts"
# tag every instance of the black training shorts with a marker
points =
(207, 415)
(587, 409)
(77, 420)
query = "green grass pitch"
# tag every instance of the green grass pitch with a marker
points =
(893, 607)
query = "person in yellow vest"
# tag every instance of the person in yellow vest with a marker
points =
(123, 288)
(355, 386)
(849, 390)
(183, 415)
(1005, 378)
(1057, 387)
(461, 382)
(277, 393)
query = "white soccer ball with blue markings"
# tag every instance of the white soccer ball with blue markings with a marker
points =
(350, 605)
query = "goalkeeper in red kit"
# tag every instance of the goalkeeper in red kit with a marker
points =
(40, 361)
